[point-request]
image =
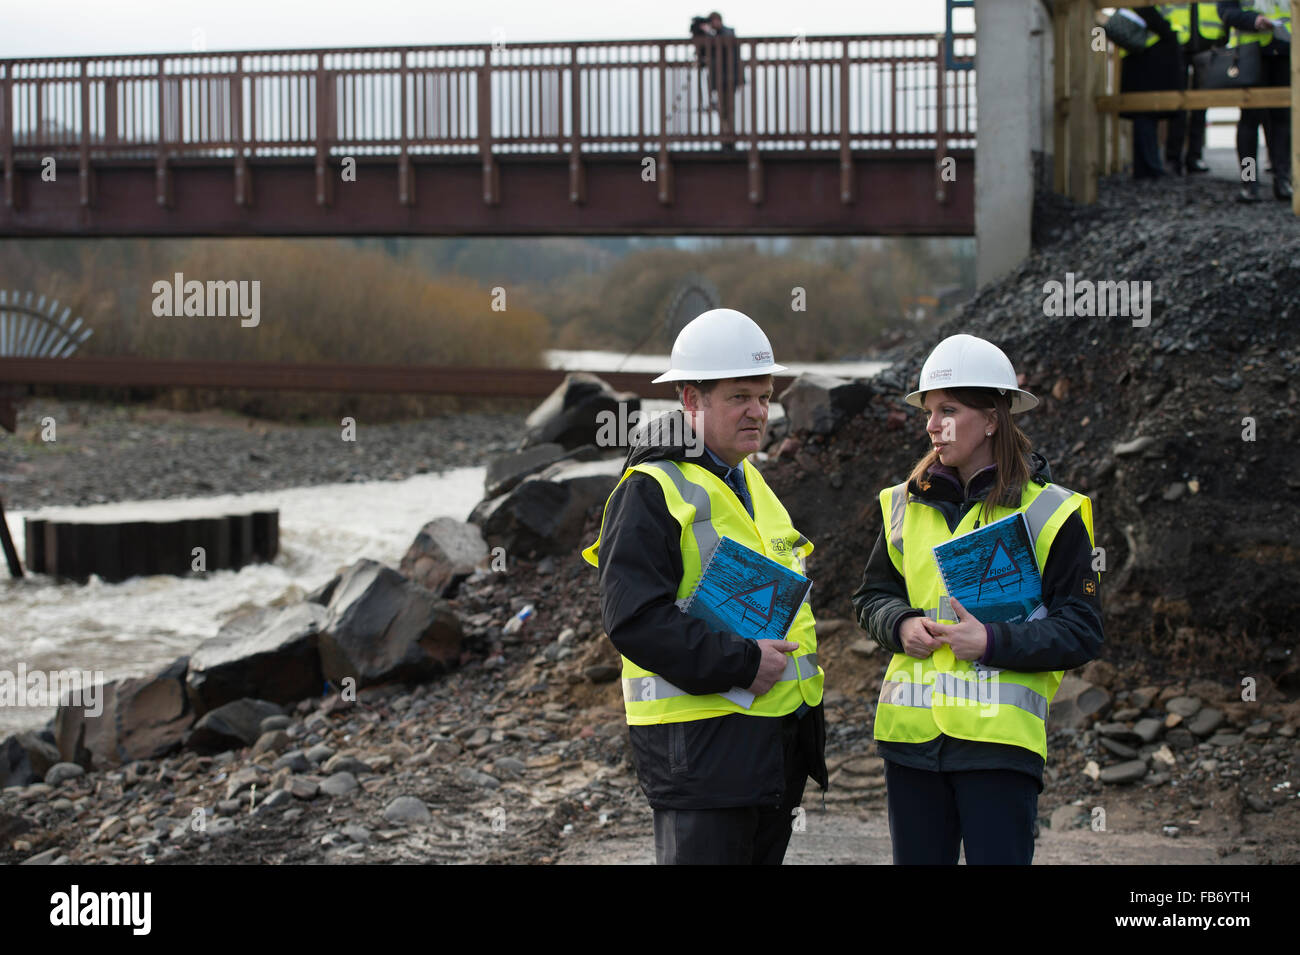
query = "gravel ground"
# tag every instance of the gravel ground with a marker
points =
(110, 453)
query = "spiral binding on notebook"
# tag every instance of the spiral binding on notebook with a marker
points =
(684, 604)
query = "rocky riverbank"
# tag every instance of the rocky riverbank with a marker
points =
(109, 453)
(499, 737)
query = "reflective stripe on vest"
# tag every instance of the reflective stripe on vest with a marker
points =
(920, 699)
(985, 692)
(707, 509)
(650, 688)
(1038, 514)
(1180, 18)
(1208, 25)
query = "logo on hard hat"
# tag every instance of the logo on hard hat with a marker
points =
(761, 356)
(938, 374)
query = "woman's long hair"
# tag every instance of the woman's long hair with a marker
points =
(1011, 449)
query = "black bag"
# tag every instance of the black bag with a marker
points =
(1126, 33)
(1229, 67)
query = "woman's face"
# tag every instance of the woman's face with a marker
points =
(957, 431)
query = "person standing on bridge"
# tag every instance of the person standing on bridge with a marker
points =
(958, 771)
(1266, 25)
(720, 60)
(724, 780)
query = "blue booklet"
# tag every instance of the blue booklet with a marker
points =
(992, 572)
(745, 592)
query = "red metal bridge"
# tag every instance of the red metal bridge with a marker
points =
(831, 135)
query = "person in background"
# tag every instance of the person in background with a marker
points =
(720, 60)
(1268, 25)
(1158, 67)
(1198, 28)
(960, 770)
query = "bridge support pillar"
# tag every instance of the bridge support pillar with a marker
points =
(1008, 64)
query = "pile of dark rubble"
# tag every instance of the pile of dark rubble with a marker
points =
(1154, 423)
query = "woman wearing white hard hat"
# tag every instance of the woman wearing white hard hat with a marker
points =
(961, 719)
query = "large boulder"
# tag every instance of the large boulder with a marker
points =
(579, 412)
(383, 628)
(545, 514)
(16, 765)
(1077, 704)
(821, 403)
(267, 654)
(231, 726)
(139, 718)
(42, 753)
(444, 553)
(505, 471)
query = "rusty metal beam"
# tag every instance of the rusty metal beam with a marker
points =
(335, 377)
(710, 196)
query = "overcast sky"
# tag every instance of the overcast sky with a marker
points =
(85, 27)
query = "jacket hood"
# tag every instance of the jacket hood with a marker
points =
(666, 437)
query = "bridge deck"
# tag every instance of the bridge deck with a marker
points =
(835, 134)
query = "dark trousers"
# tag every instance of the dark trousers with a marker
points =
(932, 814)
(748, 835)
(1146, 148)
(1276, 123)
(1186, 127)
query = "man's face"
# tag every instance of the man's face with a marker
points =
(715, 22)
(732, 419)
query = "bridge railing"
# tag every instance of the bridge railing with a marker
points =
(816, 93)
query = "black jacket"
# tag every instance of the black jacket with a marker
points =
(1068, 637)
(728, 761)
(1158, 67)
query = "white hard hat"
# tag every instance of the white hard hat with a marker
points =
(964, 361)
(720, 343)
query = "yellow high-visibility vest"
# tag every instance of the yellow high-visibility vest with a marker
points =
(1180, 18)
(708, 510)
(1208, 24)
(1277, 12)
(920, 699)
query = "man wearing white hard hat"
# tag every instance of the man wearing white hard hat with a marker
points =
(725, 730)
(962, 716)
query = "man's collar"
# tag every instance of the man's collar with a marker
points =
(721, 463)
